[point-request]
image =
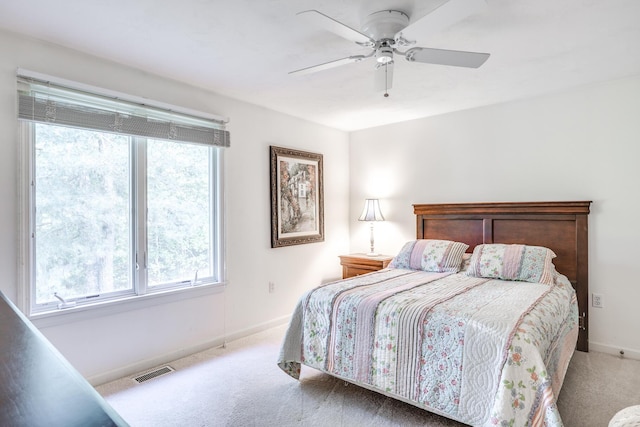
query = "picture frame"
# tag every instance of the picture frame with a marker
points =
(297, 197)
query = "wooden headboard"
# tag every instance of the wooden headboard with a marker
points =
(559, 226)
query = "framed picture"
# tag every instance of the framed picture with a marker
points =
(297, 205)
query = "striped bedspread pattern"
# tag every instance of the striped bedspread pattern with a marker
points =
(439, 340)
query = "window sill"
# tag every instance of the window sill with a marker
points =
(121, 305)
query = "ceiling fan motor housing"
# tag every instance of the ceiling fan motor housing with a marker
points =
(384, 25)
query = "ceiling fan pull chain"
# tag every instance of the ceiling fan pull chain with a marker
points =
(386, 80)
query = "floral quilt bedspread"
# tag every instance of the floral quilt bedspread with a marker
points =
(483, 352)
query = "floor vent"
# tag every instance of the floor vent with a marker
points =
(153, 374)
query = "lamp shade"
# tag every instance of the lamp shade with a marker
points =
(371, 211)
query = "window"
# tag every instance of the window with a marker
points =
(113, 213)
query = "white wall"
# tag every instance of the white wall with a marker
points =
(578, 145)
(107, 344)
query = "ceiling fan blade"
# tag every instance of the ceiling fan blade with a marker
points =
(383, 78)
(443, 17)
(330, 64)
(457, 58)
(321, 20)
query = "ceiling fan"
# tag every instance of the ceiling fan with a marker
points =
(387, 31)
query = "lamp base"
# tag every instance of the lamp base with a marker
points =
(372, 254)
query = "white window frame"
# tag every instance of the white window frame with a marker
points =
(141, 296)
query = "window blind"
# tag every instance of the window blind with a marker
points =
(49, 102)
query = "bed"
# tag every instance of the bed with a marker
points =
(476, 319)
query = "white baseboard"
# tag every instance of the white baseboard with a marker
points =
(147, 364)
(609, 349)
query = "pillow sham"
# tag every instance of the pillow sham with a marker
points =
(513, 262)
(430, 255)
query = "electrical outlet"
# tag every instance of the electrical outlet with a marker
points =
(597, 300)
(272, 287)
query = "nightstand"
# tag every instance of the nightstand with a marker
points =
(357, 264)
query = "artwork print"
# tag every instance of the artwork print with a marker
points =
(296, 197)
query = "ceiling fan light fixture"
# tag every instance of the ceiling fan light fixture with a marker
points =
(384, 55)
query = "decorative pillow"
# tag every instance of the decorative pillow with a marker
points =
(513, 262)
(464, 265)
(430, 255)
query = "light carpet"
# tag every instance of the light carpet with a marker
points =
(241, 385)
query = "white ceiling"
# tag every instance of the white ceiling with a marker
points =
(245, 48)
